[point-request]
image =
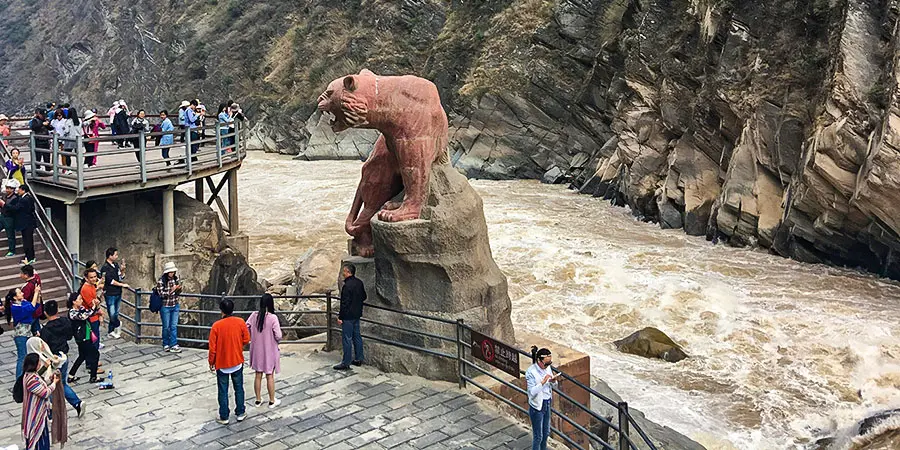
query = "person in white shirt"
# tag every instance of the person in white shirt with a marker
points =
(540, 382)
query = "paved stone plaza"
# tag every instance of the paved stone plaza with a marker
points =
(165, 400)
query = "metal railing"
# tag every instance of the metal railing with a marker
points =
(622, 424)
(61, 160)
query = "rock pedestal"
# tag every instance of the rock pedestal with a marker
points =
(439, 265)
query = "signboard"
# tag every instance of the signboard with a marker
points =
(495, 353)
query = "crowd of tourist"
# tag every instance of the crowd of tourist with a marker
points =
(64, 122)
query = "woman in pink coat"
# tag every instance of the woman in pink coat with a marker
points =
(265, 333)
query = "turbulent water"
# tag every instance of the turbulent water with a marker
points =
(780, 351)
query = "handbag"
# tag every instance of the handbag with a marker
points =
(156, 301)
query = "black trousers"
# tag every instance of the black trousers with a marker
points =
(89, 354)
(44, 156)
(28, 242)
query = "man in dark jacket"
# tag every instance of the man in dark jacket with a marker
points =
(22, 208)
(40, 128)
(6, 215)
(353, 294)
(56, 333)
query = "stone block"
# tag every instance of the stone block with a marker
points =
(240, 243)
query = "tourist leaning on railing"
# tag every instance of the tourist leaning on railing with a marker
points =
(169, 288)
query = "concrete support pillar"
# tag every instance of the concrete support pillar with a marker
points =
(198, 189)
(73, 227)
(233, 220)
(168, 205)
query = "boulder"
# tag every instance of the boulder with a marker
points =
(553, 176)
(314, 272)
(438, 265)
(651, 343)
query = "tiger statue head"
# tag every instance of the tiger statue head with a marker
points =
(349, 100)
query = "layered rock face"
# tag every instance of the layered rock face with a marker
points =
(759, 122)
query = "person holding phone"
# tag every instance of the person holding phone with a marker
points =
(36, 406)
(540, 381)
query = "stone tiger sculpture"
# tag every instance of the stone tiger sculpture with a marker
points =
(407, 111)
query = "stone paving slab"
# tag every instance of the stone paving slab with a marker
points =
(168, 401)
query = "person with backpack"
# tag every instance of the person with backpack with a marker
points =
(56, 333)
(36, 396)
(88, 353)
(168, 287)
(21, 314)
(265, 334)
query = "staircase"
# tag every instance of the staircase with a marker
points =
(53, 260)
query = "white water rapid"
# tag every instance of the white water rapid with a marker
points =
(780, 351)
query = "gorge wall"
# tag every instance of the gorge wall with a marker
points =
(770, 123)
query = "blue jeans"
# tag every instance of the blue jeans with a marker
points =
(71, 396)
(21, 351)
(351, 341)
(169, 317)
(237, 379)
(112, 307)
(540, 424)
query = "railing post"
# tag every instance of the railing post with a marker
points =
(137, 316)
(460, 349)
(74, 271)
(32, 148)
(55, 156)
(143, 156)
(328, 332)
(237, 139)
(79, 162)
(219, 143)
(623, 425)
(187, 150)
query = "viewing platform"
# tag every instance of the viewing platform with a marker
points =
(168, 401)
(58, 169)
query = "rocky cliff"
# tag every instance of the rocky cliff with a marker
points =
(770, 123)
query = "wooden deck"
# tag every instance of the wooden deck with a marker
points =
(122, 170)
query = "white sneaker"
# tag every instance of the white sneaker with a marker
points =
(166, 348)
(175, 349)
(241, 417)
(222, 421)
(273, 405)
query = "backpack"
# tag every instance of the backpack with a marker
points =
(19, 390)
(156, 301)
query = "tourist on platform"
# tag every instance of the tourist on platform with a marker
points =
(112, 273)
(167, 139)
(36, 404)
(265, 359)
(15, 167)
(182, 118)
(88, 353)
(111, 113)
(138, 124)
(75, 131)
(7, 218)
(169, 288)
(57, 333)
(226, 122)
(540, 381)
(353, 295)
(192, 120)
(92, 126)
(227, 339)
(22, 207)
(32, 291)
(120, 125)
(40, 129)
(4, 129)
(21, 314)
(201, 120)
(60, 127)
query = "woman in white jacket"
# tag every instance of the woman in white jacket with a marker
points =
(540, 381)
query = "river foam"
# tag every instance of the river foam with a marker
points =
(781, 351)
